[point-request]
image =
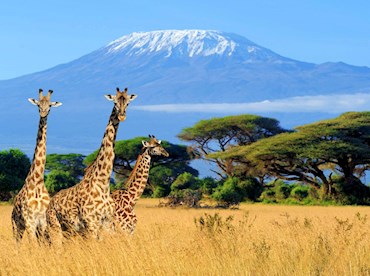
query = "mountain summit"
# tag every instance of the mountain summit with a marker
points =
(189, 43)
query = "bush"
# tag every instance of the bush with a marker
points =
(161, 191)
(313, 193)
(184, 181)
(187, 197)
(282, 190)
(214, 224)
(299, 192)
(250, 189)
(268, 196)
(234, 190)
(228, 194)
(207, 185)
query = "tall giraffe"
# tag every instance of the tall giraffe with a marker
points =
(88, 207)
(125, 200)
(32, 200)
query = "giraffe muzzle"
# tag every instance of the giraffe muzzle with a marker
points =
(121, 117)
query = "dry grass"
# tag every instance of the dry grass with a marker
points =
(260, 240)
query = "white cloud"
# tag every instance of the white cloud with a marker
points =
(326, 104)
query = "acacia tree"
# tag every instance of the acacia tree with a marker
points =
(315, 152)
(220, 134)
(163, 171)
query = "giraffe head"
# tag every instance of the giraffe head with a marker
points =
(44, 103)
(154, 146)
(121, 101)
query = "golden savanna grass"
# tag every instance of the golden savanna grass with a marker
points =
(259, 240)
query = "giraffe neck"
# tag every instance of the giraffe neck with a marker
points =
(138, 178)
(102, 167)
(37, 169)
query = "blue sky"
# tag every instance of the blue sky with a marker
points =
(36, 35)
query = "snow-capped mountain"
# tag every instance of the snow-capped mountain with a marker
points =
(197, 66)
(189, 43)
(164, 67)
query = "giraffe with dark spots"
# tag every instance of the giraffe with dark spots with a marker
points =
(29, 211)
(125, 200)
(87, 207)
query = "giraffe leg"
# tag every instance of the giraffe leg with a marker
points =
(109, 225)
(31, 230)
(91, 230)
(53, 230)
(131, 223)
(18, 226)
(41, 230)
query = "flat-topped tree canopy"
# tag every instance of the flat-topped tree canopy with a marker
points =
(339, 145)
(219, 134)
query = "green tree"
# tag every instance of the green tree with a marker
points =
(57, 180)
(14, 167)
(339, 146)
(220, 134)
(71, 163)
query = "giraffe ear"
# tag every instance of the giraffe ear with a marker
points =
(145, 143)
(110, 97)
(132, 97)
(159, 141)
(33, 101)
(55, 104)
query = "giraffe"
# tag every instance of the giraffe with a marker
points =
(87, 207)
(32, 200)
(125, 200)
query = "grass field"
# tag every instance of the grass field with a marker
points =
(258, 240)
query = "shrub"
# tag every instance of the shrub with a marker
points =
(268, 196)
(313, 193)
(184, 181)
(207, 185)
(299, 192)
(250, 189)
(228, 194)
(187, 197)
(282, 190)
(214, 224)
(161, 191)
